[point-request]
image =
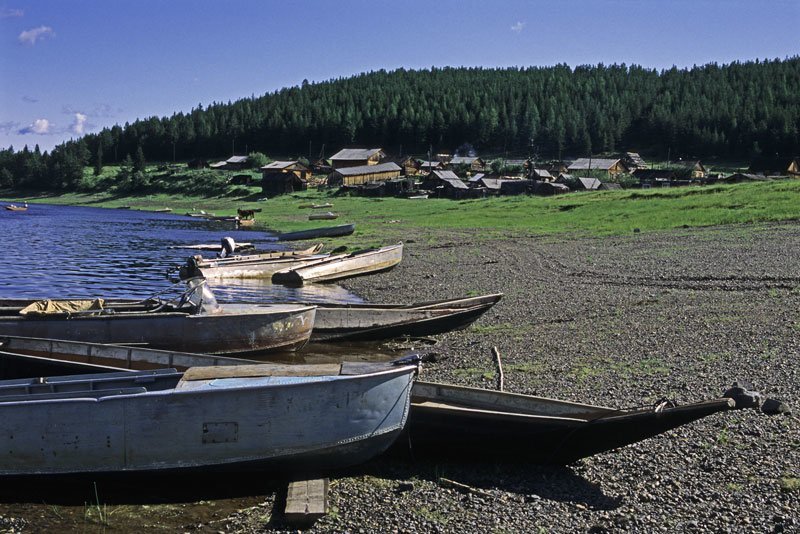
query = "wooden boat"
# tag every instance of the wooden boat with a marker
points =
(123, 207)
(191, 322)
(292, 419)
(321, 206)
(162, 210)
(417, 197)
(361, 322)
(249, 266)
(238, 247)
(454, 421)
(328, 215)
(316, 233)
(14, 207)
(341, 266)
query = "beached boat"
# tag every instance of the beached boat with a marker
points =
(292, 419)
(261, 265)
(455, 421)
(341, 266)
(316, 233)
(162, 210)
(328, 215)
(14, 207)
(362, 322)
(192, 322)
(446, 421)
(238, 247)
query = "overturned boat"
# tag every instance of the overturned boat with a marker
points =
(339, 266)
(260, 265)
(293, 419)
(192, 322)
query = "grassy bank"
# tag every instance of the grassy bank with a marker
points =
(591, 213)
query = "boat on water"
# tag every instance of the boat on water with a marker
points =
(339, 266)
(445, 421)
(261, 265)
(327, 215)
(292, 419)
(370, 322)
(14, 207)
(449, 421)
(316, 233)
(192, 321)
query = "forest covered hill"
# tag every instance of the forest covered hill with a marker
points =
(737, 110)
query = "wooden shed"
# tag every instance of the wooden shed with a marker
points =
(233, 163)
(356, 157)
(362, 174)
(775, 166)
(688, 170)
(473, 163)
(294, 167)
(197, 163)
(445, 184)
(279, 183)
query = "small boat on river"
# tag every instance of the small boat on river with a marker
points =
(261, 265)
(14, 207)
(316, 233)
(293, 419)
(363, 322)
(192, 322)
(339, 266)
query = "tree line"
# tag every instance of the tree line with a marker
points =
(737, 110)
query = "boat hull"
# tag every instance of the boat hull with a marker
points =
(561, 433)
(249, 269)
(339, 267)
(240, 329)
(331, 231)
(223, 423)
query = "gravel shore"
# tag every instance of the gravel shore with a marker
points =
(618, 321)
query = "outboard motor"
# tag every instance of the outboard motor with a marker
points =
(228, 246)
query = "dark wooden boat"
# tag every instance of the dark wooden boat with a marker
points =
(363, 322)
(337, 267)
(191, 322)
(450, 421)
(316, 233)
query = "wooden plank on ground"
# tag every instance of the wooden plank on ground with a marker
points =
(306, 501)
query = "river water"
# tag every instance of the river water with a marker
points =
(69, 251)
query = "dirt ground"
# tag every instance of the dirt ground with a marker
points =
(617, 321)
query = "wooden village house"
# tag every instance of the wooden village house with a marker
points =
(445, 184)
(352, 176)
(610, 166)
(233, 163)
(356, 157)
(280, 177)
(473, 163)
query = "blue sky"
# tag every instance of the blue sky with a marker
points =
(69, 67)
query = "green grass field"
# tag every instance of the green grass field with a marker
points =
(589, 213)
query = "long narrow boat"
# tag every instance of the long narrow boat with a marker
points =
(192, 322)
(316, 233)
(327, 215)
(454, 421)
(14, 207)
(261, 265)
(362, 322)
(342, 266)
(292, 419)
(446, 421)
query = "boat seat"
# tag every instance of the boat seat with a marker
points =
(259, 370)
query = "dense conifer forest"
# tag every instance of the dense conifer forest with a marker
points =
(739, 110)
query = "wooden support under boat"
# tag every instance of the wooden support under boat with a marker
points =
(306, 501)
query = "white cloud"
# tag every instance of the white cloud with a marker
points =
(79, 126)
(8, 13)
(518, 27)
(39, 127)
(29, 37)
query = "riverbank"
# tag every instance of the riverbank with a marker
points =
(614, 320)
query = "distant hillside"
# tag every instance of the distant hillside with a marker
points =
(736, 110)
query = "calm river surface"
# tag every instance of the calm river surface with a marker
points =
(67, 251)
